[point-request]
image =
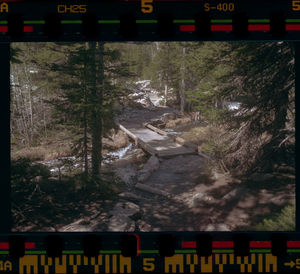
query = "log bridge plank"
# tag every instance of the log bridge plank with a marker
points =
(157, 142)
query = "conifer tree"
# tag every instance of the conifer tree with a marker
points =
(88, 90)
(167, 70)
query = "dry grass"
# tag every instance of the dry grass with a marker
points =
(42, 153)
(200, 135)
(177, 122)
(56, 144)
(210, 139)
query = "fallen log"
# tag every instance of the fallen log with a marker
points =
(153, 190)
(157, 130)
(129, 133)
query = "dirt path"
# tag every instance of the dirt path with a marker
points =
(197, 199)
(134, 117)
(184, 178)
(182, 194)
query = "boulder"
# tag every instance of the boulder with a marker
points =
(125, 208)
(200, 199)
(81, 225)
(143, 226)
(46, 229)
(154, 190)
(147, 103)
(151, 165)
(168, 116)
(129, 196)
(218, 227)
(233, 194)
(120, 139)
(120, 223)
(121, 213)
(116, 140)
(127, 174)
(139, 155)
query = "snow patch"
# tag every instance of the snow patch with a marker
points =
(143, 84)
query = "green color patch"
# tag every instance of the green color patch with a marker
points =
(179, 21)
(109, 21)
(259, 21)
(38, 252)
(72, 252)
(222, 251)
(293, 250)
(71, 21)
(34, 22)
(146, 21)
(185, 251)
(292, 20)
(149, 251)
(260, 250)
(221, 21)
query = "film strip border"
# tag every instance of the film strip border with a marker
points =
(128, 28)
(149, 20)
(184, 25)
(186, 247)
(163, 253)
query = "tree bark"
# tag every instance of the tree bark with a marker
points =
(166, 94)
(182, 90)
(85, 141)
(96, 98)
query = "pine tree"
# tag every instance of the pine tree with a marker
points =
(263, 80)
(166, 70)
(88, 91)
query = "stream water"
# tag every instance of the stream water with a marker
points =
(71, 163)
(118, 154)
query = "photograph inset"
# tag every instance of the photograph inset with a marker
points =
(152, 136)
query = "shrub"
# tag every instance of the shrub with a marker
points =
(23, 171)
(284, 221)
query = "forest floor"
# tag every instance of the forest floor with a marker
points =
(182, 193)
(195, 196)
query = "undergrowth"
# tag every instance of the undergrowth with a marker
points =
(40, 200)
(284, 221)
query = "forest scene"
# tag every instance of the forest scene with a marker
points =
(152, 136)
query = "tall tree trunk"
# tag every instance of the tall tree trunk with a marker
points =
(85, 141)
(30, 114)
(182, 94)
(24, 128)
(45, 127)
(96, 98)
(85, 115)
(166, 94)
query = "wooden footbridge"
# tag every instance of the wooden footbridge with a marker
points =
(158, 142)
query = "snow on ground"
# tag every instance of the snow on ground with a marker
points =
(232, 105)
(143, 84)
(143, 92)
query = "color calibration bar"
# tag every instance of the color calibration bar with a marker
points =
(187, 247)
(25, 29)
(186, 25)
